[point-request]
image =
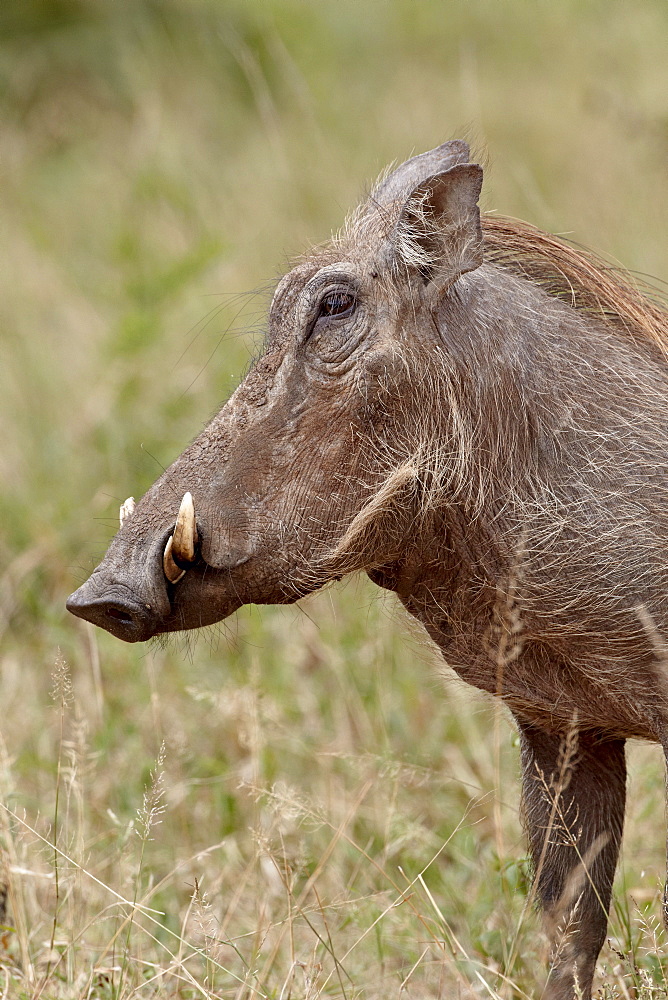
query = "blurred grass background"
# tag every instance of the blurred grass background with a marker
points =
(327, 817)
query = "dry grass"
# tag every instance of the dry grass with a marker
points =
(327, 818)
(288, 835)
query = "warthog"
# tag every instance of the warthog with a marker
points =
(475, 414)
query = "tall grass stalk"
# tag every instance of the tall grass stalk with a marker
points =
(63, 696)
(148, 817)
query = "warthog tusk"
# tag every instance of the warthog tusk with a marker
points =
(173, 572)
(182, 544)
(185, 533)
(127, 509)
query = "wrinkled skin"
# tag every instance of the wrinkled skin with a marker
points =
(491, 454)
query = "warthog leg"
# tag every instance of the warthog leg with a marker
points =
(574, 791)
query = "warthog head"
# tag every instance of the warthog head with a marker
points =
(310, 470)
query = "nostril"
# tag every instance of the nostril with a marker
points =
(120, 616)
(124, 617)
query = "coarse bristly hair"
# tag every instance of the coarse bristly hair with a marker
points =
(578, 277)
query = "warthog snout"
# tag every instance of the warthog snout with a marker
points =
(114, 610)
(144, 585)
(117, 606)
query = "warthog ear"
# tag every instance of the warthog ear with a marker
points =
(438, 233)
(398, 185)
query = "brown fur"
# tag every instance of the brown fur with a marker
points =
(576, 276)
(484, 431)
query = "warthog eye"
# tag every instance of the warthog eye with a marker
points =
(337, 304)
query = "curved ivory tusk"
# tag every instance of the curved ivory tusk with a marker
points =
(185, 539)
(127, 509)
(172, 571)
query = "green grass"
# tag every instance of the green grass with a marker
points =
(329, 817)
